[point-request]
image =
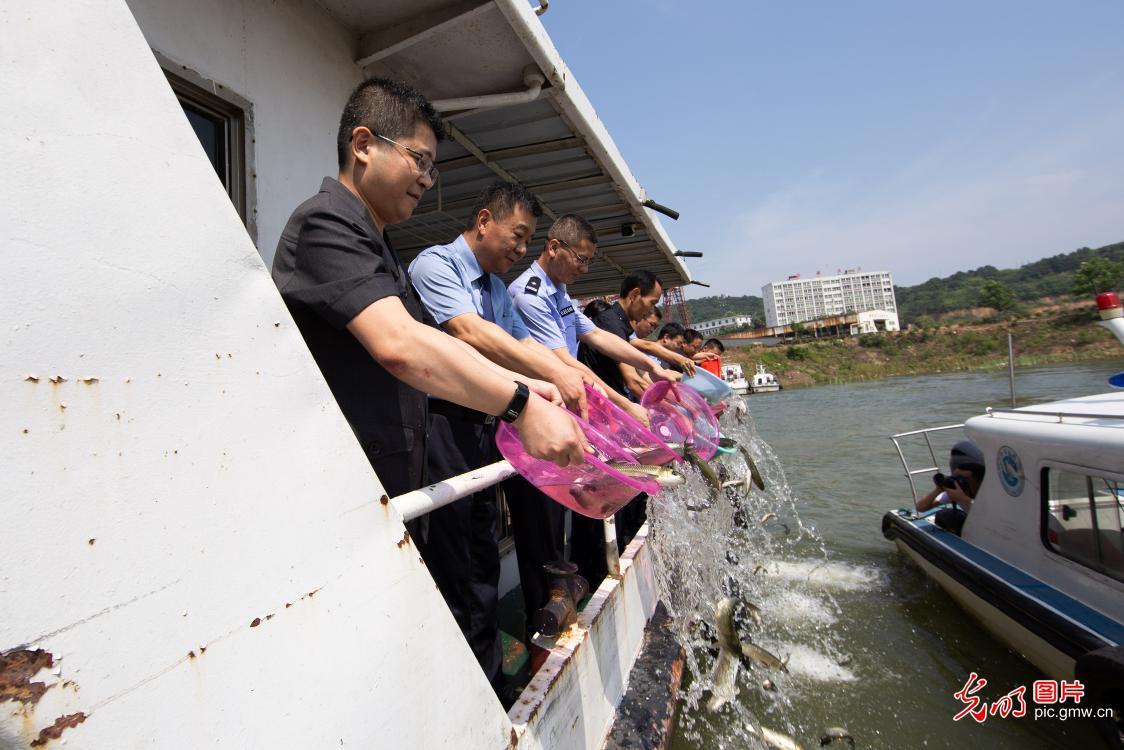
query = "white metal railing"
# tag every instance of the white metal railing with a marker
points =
(438, 495)
(911, 473)
(1058, 415)
(417, 503)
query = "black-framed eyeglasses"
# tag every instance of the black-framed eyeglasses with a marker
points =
(583, 262)
(423, 163)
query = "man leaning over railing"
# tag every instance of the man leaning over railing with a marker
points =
(459, 286)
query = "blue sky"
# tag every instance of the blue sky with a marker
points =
(918, 138)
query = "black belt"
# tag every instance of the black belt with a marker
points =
(455, 411)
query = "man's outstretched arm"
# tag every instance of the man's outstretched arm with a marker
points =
(435, 363)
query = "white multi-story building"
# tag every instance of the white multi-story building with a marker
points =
(796, 300)
(708, 327)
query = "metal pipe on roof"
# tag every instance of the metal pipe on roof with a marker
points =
(662, 209)
(533, 79)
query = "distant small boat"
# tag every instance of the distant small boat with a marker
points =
(763, 381)
(735, 378)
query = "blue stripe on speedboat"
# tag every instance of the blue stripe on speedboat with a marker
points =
(1083, 615)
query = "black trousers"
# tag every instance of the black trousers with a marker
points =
(587, 542)
(630, 518)
(460, 547)
(538, 525)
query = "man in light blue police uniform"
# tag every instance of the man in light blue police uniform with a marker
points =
(540, 296)
(458, 285)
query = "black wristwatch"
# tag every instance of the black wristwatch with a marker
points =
(517, 404)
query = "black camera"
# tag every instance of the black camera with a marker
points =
(950, 482)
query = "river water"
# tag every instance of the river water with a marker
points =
(872, 644)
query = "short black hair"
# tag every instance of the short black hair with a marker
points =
(595, 308)
(501, 198)
(573, 230)
(671, 330)
(641, 279)
(388, 108)
(658, 313)
(690, 334)
(714, 344)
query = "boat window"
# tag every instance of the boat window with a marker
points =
(222, 122)
(1083, 516)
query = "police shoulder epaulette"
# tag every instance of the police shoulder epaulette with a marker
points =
(533, 285)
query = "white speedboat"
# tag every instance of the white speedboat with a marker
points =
(735, 378)
(1040, 562)
(764, 381)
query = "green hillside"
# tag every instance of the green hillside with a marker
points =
(709, 308)
(1048, 277)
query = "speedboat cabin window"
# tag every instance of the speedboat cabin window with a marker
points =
(1084, 514)
(222, 121)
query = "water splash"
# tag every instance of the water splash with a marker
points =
(711, 544)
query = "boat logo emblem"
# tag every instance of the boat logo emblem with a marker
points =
(1010, 471)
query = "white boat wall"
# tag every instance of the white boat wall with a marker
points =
(195, 550)
(1009, 525)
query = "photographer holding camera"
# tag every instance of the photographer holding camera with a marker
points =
(956, 489)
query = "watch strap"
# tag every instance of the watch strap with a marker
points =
(517, 404)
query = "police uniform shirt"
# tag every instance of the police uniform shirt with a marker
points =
(450, 282)
(614, 320)
(331, 263)
(548, 311)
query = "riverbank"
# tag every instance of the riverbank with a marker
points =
(1042, 338)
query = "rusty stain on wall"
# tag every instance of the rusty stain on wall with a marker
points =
(16, 670)
(405, 539)
(55, 731)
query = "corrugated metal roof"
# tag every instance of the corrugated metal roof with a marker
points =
(555, 144)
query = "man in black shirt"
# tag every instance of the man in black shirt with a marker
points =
(361, 318)
(640, 293)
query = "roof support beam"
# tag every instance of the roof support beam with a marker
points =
(458, 135)
(557, 186)
(386, 42)
(531, 149)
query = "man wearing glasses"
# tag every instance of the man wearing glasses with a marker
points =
(460, 286)
(540, 296)
(379, 351)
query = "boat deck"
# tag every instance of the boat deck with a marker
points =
(1010, 589)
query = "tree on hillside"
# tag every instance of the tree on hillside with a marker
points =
(997, 296)
(1097, 275)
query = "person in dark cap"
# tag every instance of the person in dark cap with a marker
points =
(957, 489)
